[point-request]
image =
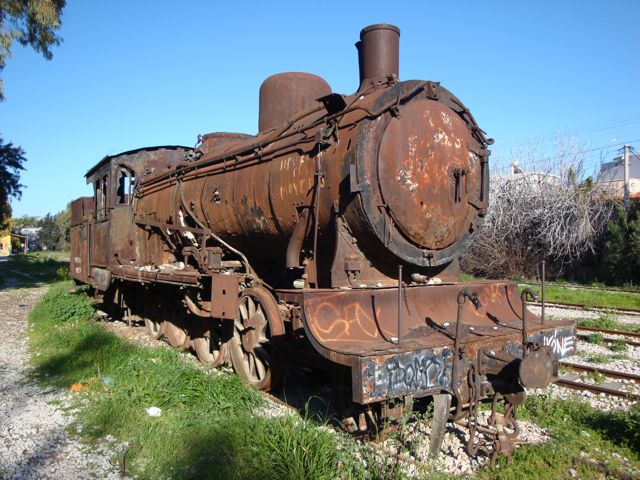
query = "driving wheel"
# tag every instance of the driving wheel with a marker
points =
(175, 333)
(257, 345)
(207, 344)
(154, 328)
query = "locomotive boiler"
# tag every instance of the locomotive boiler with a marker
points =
(330, 238)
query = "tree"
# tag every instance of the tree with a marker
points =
(620, 260)
(26, 221)
(548, 213)
(11, 163)
(63, 220)
(49, 234)
(32, 23)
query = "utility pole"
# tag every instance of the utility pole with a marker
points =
(626, 177)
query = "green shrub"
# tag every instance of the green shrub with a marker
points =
(620, 261)
(63, 273)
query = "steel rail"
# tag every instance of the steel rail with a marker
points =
(603, 371)
(610, 331)
(575, 286)
(573, 306)
(632, 343)
(596, 389)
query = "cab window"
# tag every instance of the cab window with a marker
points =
(126, 185)
(100, 197)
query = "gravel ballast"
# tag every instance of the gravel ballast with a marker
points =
(34, 420)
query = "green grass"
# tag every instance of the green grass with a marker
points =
(207, 428)
(596, 377)
(596, 284)
(588, 297)
(34, 268)
(467, 277)
(608, 321)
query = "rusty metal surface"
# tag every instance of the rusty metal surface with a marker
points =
(123, 241)
(610, 331)
(79, 235)
(80, 210)
(359, 328)
(418, 373)
(253, 196)
(219, 142)
(427, 172)
(283, 96)
(378, 53)
(100, 236)
(344, 320)
(79, 261)
(224, 288)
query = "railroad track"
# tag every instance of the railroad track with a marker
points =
(575, 306)
(610, 331)
(604, 371)
(633, 341)
(607, 390)
(576, 286)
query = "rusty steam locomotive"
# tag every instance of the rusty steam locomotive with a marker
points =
(330, 238)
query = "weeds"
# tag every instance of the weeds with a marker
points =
(595, 338)
(618, 346)
(620, 356)
(467, 277)
(597, 377)
(598, 358)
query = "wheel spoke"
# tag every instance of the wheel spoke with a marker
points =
(252, 307)
(254, 369)
(262, 361)
(244, 310)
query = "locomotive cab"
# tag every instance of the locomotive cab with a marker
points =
(102, 224)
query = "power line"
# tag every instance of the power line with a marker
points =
(589, 160)
(588, 130)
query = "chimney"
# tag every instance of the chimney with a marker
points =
(378, 53)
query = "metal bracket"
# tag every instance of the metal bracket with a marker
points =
(354, 185)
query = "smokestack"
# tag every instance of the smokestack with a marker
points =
(378, 53)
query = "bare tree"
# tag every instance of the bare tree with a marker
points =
(539, 208)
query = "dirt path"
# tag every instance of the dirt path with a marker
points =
(34, 421)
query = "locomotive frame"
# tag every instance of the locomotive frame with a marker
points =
(330, 238)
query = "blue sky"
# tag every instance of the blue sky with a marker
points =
(132, 74)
